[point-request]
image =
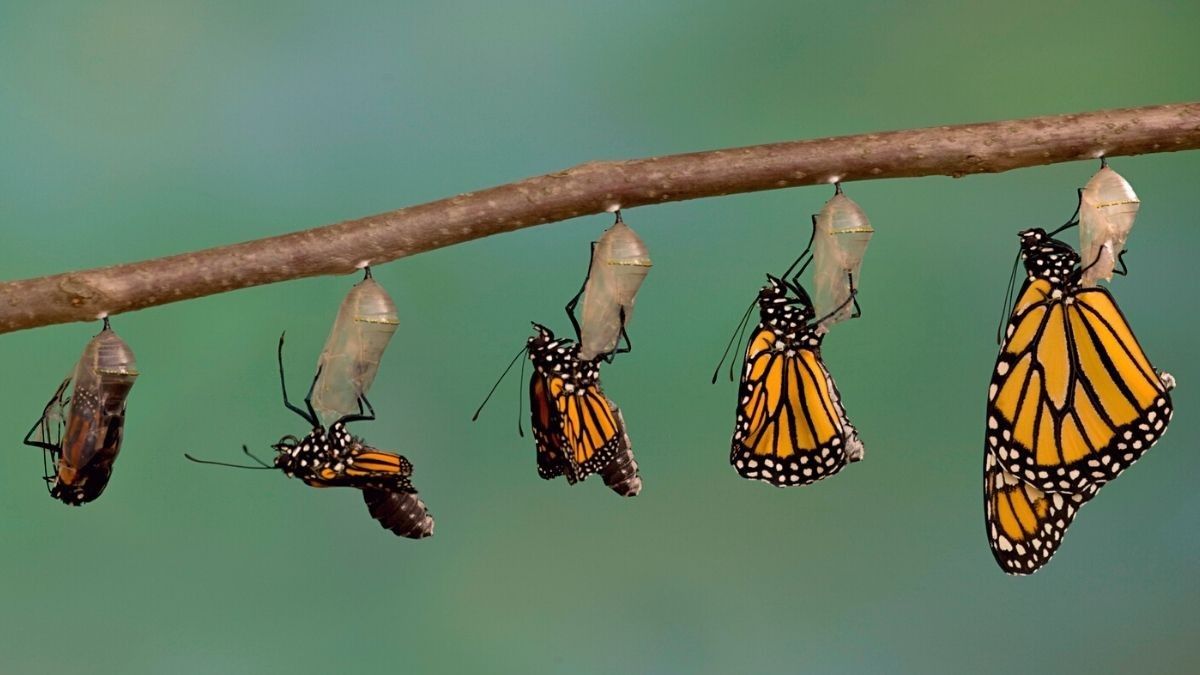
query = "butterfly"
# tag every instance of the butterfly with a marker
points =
(81, 434)
(1073, 399)
(333, 457)
(791, 428)
(577, 430)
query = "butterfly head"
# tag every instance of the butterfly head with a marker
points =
(1048, 258)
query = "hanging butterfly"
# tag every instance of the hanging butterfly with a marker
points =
(1073, 400)
(576, 429)
(791, 428)
(81, 434)
(332, 457)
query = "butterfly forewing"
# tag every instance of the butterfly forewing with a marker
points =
(1073, 400)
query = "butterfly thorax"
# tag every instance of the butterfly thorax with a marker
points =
(1049, 259)
(316, 454)
(558, 359)
(790, 316)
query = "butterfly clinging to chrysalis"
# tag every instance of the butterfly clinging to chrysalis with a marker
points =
(1073, 402)
(791, 428)
(577, 430)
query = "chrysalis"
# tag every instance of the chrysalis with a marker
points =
(841, 233)
(364, 325)
(1107, 207)
(619, 264)
(82, 435)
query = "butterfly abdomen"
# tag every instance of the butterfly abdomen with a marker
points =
(401, 512)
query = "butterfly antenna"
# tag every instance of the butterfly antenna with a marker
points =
(232, 466)
(254, 457)
(520, 398)
(1008, 298)
(498, 381)
(737, 332)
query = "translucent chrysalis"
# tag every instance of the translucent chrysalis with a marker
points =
(841, 233)
(1107, 207)
(619, 264)
(82, 434)
(365, 323)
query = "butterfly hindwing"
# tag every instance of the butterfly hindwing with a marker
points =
(1025, 525)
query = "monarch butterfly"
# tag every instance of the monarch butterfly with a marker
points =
(791, 427)
(1073, 399)
(365, 323)
(618, 265)
(576, 429)
(334, 458)
(82, 437)
(1025, 525)
(1107, 208)
(841, 233)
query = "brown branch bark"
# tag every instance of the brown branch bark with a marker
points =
(592, 188)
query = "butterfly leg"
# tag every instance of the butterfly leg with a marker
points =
(854, 296)
(570, 307)
(311, 415)
(1121, 259)
(360, 417)
(805, 253)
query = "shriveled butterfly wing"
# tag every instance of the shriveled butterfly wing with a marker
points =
(547, 431)
(590, 432)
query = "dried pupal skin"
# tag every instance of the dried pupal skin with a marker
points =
(1107, 208)
(364, 325)
(620, 262)
(841, 233)
(95, 419)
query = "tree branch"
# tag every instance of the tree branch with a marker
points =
(595, 187)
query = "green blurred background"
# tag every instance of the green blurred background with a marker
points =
(132, 130)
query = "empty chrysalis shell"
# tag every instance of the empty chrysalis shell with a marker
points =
(348, 364)
(841, 233)
(1107, 208)
(620, 263)
(95, 418)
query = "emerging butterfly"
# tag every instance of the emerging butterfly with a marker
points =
(576, 429)
(334, 458)
(1073, 400)
(791, 427)
(81, 434)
